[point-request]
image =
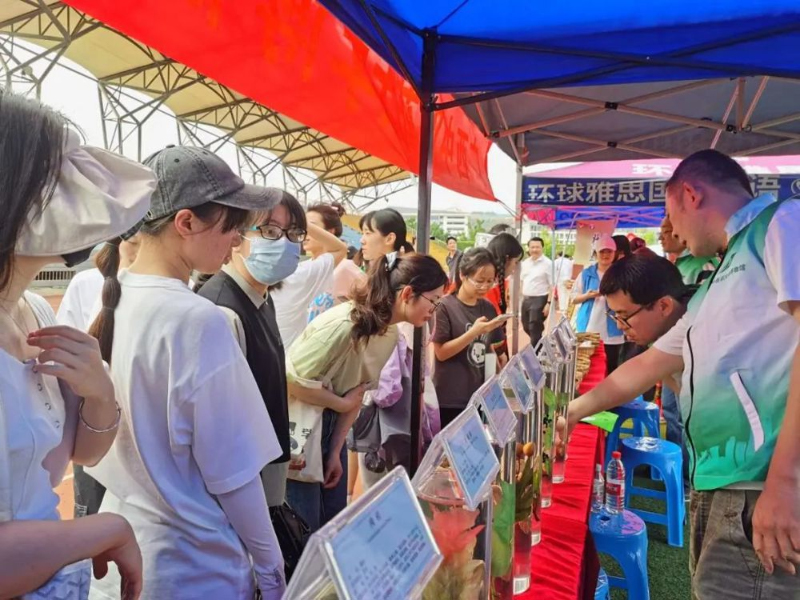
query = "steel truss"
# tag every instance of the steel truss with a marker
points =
(208, 114)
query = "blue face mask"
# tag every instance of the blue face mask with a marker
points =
(272, 261)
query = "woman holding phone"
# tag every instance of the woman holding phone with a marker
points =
(467, 328)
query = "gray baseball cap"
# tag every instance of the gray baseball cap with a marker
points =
(189, 177)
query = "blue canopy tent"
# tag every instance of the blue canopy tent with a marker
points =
(485, 50)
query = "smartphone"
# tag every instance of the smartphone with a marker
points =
(503, 317)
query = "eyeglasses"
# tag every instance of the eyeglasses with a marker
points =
(273, 232)
(434, 303)
(481, 284)
(626, 321)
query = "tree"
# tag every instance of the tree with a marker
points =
(473, 228)
(437, 231)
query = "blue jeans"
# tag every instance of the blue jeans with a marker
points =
(314, 503)
(672, 415)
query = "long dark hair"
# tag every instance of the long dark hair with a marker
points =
(103, 326)
(31, 146)
(374, 301)
(471, 261)
(386, 221)
(504, 246)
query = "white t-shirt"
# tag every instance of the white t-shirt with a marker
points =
(293, 302)
(194, 425)
(563, 268)
(598, 319)
(37, 432)
(78, 306)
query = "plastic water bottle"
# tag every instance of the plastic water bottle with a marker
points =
(598, 489)
(615, 485)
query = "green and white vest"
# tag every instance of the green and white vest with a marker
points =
(738, 355)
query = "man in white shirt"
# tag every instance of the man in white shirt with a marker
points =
(737, 346)
(563, 268)
(537, 288)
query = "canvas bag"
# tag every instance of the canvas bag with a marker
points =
(305, 429)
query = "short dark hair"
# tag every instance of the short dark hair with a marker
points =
(331, 217)
(645, 277)
(450, 237)
(536, 239)
(712, 167)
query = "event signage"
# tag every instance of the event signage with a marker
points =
(469, 451)
(630, 192)
(515, 379)
(532, 367)
(499, 414)
(569, 333)
(379, 548)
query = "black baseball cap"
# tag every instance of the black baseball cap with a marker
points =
(189, 177)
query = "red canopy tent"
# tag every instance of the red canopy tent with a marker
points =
(295, 57)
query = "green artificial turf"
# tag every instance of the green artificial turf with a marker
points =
(667, 567)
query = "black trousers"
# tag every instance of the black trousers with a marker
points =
(533, 317)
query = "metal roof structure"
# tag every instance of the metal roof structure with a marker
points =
(200, 104)
(745, 116)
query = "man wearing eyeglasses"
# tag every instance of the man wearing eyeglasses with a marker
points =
(738, 346)
(647, 297)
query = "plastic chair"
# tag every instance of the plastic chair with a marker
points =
(667, 458)
(645, 417)
(602, 592)
(624, 538)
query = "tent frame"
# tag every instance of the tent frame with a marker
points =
(621, 62)
(52, 27)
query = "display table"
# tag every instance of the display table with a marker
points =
(565, 563)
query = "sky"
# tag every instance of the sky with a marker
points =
(76, 96)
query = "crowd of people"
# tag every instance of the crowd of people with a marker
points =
(204, 378)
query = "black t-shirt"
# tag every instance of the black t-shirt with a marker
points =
(459, 377)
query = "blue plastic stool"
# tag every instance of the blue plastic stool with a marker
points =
(602, 592)
(624, 538)
(667, 458)
(645, 417)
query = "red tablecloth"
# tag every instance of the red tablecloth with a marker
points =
(564, 564)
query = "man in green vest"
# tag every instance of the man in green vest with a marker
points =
(738, 346)
(694, 269)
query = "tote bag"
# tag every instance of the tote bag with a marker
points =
(305, 428)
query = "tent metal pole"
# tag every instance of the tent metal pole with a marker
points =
(516, 290)
(424, 187)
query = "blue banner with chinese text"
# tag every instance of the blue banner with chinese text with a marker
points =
(630, 192)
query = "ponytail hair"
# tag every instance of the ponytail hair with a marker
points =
(471, 261)
(107, 261)
(374, 301)
(504, 247)
(386, 221)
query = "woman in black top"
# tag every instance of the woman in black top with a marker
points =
(467, 327)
